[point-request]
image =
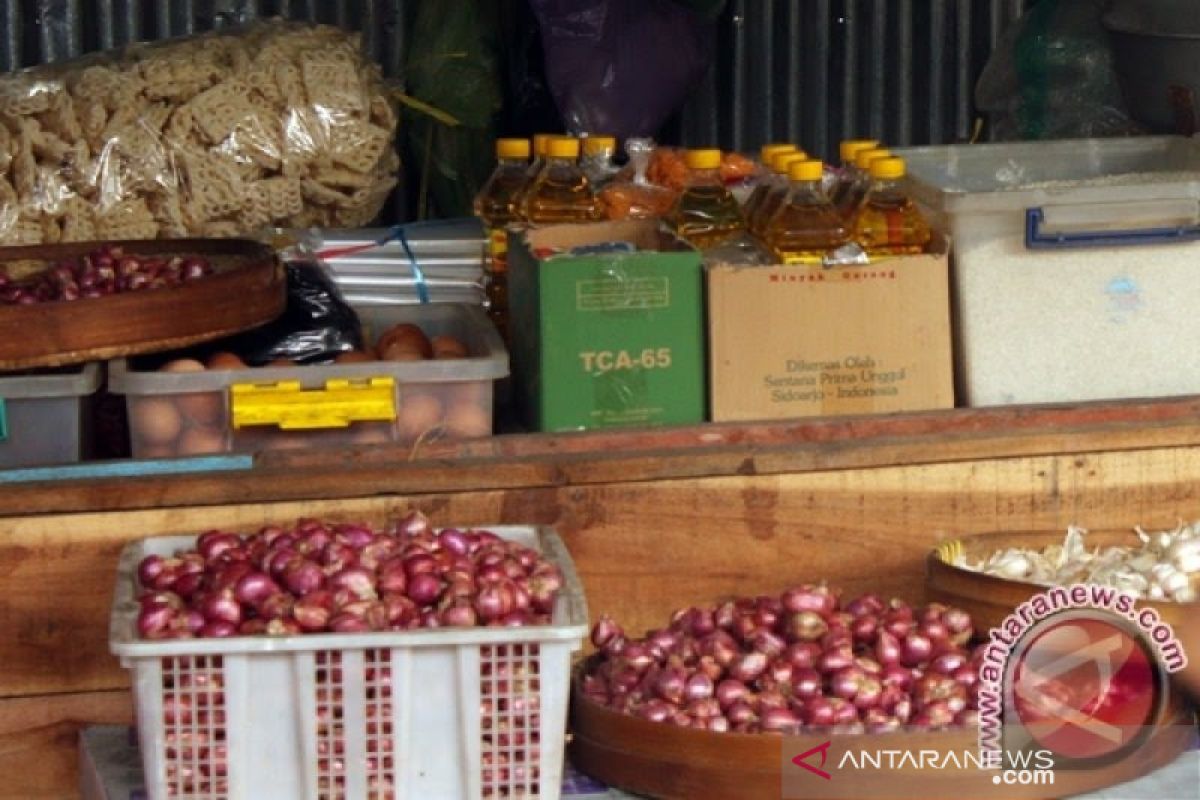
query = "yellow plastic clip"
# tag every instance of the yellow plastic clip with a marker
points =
(289, 407)
(950, 551)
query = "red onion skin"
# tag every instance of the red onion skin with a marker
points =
(806, 683)
(698, 687)
(802, 655)
(887, 649)
(915, 650)
(730, 691)
(314, 611)
(424, 589)
(493, 600)
(707, 665)
(809, 598)
(214, 544)
(869, 666)
(806, 626)
(935, 631)
(864, 629)
(412, 524)
(740, 713)
(149, 569)
(780, 720)
(222, 607)
(948, 661)
(357, 580)
(604, 631)
(254, 587)
(748, 667)
(768, 643)
(866, 604)
(721, 646)
(700, 622)
(656, 710)
(703, 708)
(276, 606)
(392, 576)
(459, 615)
(833, 660)
(302, 577)
(845, 682)
(153, 622)
(723, 616)
(819, 712)
(218, 630)
(896, 675)
(869, 692)
(187, 584)
(670, 685)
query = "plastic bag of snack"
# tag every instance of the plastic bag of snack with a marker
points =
(220, 134)
(631, 195)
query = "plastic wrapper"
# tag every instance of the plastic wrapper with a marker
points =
(667, 168)
(1051, 76)
(220, 134)
(631, 195)
(623, 66)
(316, 326)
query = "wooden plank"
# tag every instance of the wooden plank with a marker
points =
(39, 739)
(642, 548)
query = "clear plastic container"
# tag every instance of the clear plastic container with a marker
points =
(806, 226)
(44, 416)
(452, 696)
(280, 408)
(560, 192)
(888, 222)
(1074, 265)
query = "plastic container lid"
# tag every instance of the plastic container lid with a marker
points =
(540, 142)
(809, 170)
(887, 168)
(512, 148)
(863, 158)
(597, 145)
(709, 158)
(850, 148)
(769, 151)
(783, 161)
(70, 382)
(563, 147)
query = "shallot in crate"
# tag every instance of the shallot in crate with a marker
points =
(416, 663)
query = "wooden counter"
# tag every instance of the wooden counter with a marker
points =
(654, 519)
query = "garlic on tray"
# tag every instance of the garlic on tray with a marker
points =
(1166, 566)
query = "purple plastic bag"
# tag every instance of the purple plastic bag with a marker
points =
(621, 67)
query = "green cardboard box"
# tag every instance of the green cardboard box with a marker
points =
(606, 339)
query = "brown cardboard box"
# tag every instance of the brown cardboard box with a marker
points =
(802, 341)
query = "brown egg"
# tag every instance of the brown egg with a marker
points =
(371, 434)
(354, 357)
(472, 392)
(182, 365)
(468, 421)
(156, 421)
(202, 408)
(419, 413)
(281, 362)
(225, 360)
(401, 351)
(200, 441)
(406, 332)
(448, 347)
(155, 451)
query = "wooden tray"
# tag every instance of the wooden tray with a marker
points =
(989, 599)
(659, 760)
(247, 289)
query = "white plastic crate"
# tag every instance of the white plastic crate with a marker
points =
(474, 713)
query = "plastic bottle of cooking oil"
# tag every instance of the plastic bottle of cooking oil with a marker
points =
(767, 182)
(597, 162)
(560, 192)
(888, 223)
(775, 195)
(706, 214)
(540, 141)
(806, 226)
(846, 174)
(496, 206)
(850, 198)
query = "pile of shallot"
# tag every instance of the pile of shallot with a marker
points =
(799, 660)
(107, 270)
(344, 578)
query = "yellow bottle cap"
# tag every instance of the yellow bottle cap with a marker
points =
(808, 170)
(887, 168)
(783, 161)
(849, 148)
(769, 151)
(540, 140)
(512, 148)
(594, 145)
(563, 147)
(863, 158)
(702, 159)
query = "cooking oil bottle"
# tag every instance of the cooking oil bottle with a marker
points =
(775, 195)
(850, 198)
(597, 162)
(888, 223)
(706, 214)
(806, 226)
(848, 173)
(540, 141)
(496, 206)
(560, 192)
(768, 181)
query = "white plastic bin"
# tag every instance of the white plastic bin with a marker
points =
(266, 408)
(475, 713)
(1076, 265)
(44, 416)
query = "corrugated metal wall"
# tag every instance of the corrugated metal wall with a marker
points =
(813, 71)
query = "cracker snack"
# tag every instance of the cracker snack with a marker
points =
(278, 123)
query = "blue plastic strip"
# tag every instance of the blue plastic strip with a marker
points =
(128, 469)
(1036, 239)
(3, 421)
(418, 275)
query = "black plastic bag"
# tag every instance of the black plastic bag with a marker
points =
(622, 67)
(315, 328)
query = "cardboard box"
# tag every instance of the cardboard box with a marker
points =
(802, 341)
(606, 339)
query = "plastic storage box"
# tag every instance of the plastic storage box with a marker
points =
(1075, 265)
(264, 408)
(474, 712)
(43, 416)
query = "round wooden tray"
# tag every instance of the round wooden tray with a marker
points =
(247, 289)
(659, 760)
(989, 599)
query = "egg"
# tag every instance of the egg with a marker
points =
(409, 333)
(371, 434)
(468, 421)
(354, 357)
(448, 347)
(156, 451)
(182, 365)
(419, 414)
(200, 440)
(281, 362)
(400, 351)
(202, 408)
(156, 421)
(225, 360)
(471, 392)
